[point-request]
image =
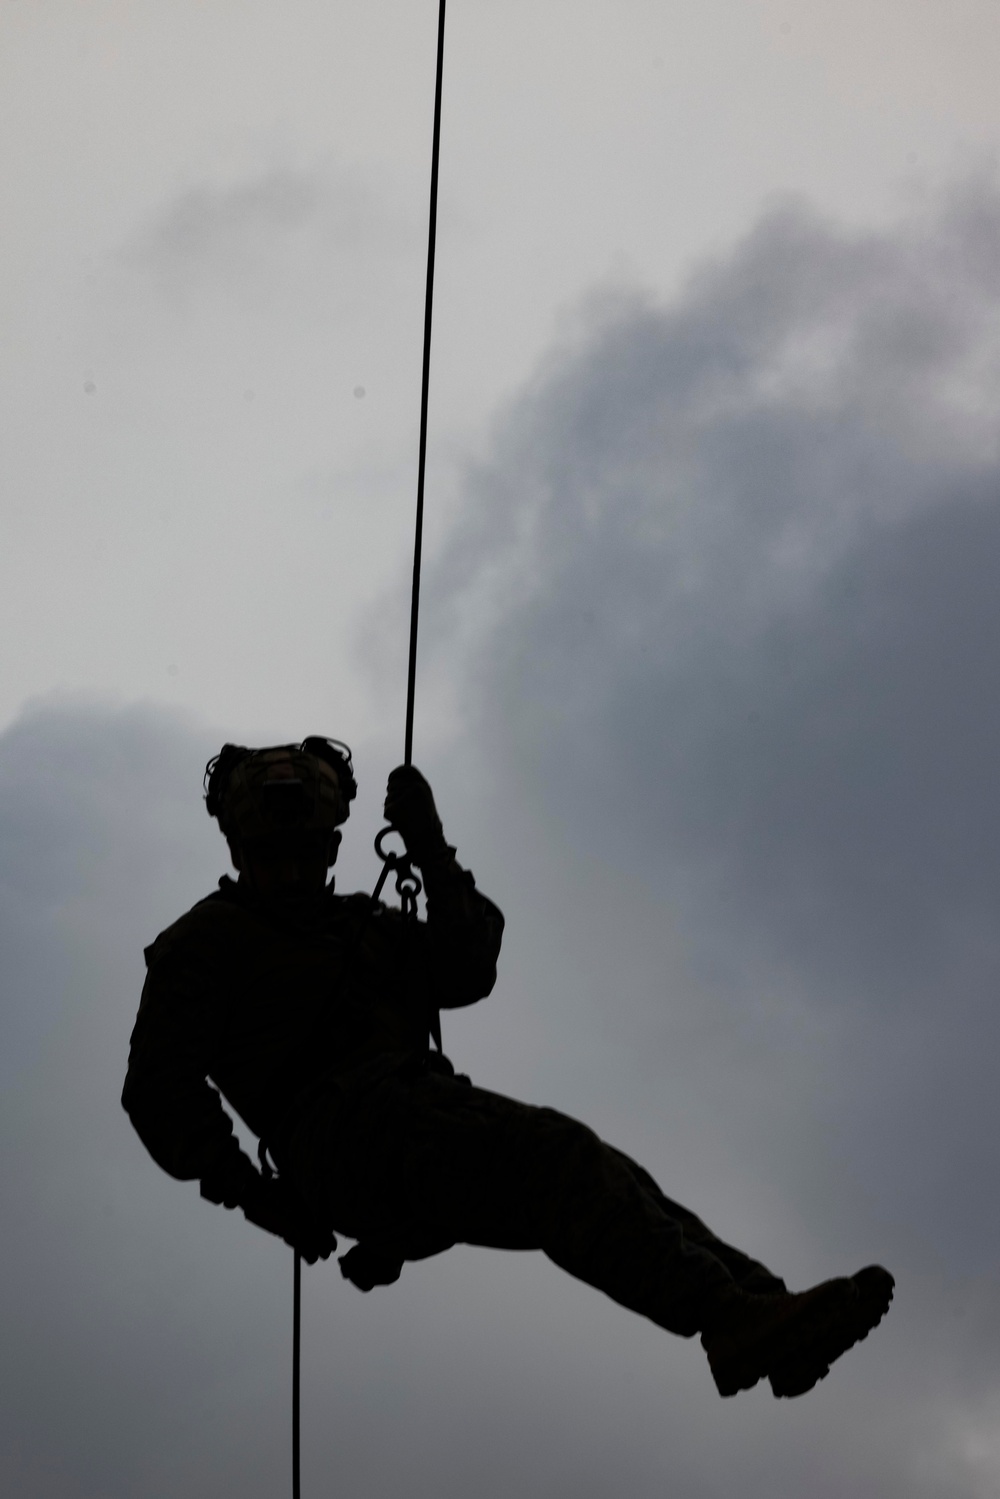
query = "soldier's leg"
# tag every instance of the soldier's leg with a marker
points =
(421, 1163)
(749, 1274)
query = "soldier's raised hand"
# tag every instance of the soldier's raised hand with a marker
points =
(409, 806)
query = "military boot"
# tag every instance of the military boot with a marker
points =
(793, 1339)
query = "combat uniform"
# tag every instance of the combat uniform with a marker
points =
(311, 1017)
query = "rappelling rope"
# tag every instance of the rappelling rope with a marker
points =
(296, 1368)
(424, 390)
(404, 877)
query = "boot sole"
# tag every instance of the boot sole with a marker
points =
(796, 1353)
(741, 1361)
(798, 1369)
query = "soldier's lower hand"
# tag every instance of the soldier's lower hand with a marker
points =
(274, 1206)
(367, 1266)
(409, 806)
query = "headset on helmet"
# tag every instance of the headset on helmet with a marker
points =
(256, 793)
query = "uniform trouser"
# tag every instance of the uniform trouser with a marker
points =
(423, 1162)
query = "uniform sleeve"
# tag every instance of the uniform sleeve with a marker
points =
(463, 935)
(177, 1114)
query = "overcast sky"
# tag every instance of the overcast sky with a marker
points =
(707, 693)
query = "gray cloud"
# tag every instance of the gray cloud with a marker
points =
(267, 232)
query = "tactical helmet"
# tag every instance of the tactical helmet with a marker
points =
(287, 788)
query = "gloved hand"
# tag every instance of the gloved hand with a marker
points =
(366, 1267)
(409, 806)
(273, 1205)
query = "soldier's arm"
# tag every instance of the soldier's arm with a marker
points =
(464, 932)
(464, 929)
(177, 1114)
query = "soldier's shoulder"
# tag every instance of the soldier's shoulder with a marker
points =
(210, 925)
(358, 902)
(369, 919)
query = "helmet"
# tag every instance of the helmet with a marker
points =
(288, 788)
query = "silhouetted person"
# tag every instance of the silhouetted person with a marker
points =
(311, 1013)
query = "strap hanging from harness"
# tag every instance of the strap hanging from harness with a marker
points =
(408, 887)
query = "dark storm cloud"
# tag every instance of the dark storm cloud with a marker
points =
(119, 1351)
(78, 824)
(740, 559)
